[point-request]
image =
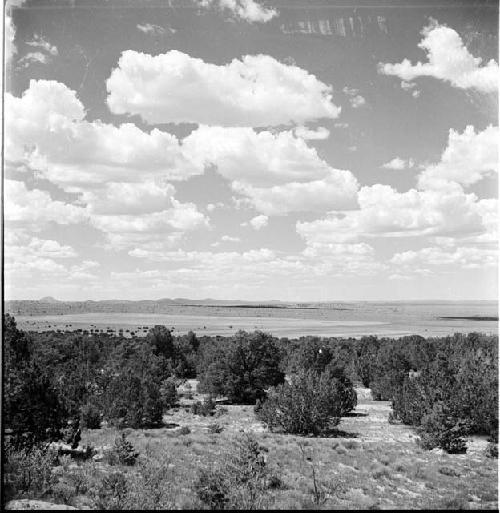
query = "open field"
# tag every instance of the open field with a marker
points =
(391, 319)
(373, 465)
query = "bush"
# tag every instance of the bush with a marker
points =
(205, 408)
(310, 403)
(492, 450)
(238, 482)
(112, 492)
(184, 430)
(28, 472)
(125, 451)
(439, 429)
(215, 428)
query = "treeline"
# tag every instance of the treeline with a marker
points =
(447, 387)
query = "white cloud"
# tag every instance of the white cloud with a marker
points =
(305, 133)
(258, 222)
(398, 164)
(255, 91)
(336, 191)
(385, 212)
(357, 101)
(155, 30)
(278, 172)
(465, 257)
(120, 172)
(228, 238)
(36, 208)
(247, 10)
(448, 60)
(43, 44)
(47, 130)
(213, 206)
(468, 158)
(33, 58)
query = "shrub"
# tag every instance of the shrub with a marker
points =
(239, 481)
(492, 450)
(112, 492)
(448, 471)
(310, 403)
(184, 430)
(205, 408)
(215, 428)
(124, 450)
(212, 488)
(439, 429)
(28, 471)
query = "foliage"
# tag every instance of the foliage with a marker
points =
(240, 481)
(28, 472)
(31, 408)
(440, 429)
(243, 369)
(309, 403)
(205, 408)
(112, 492)
(125, 451)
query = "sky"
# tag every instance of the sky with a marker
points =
(306, 150)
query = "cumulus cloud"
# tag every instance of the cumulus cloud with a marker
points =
(255, 91)
(398, 164)
(278, 172)
(385, 212)
(468, 158)
(47, 130)
(33, 58)
(355, 99)
(154, 30)
(438, 207)
(120, 172)
(36, 208)
(258, 222)
(464, 257)
(448, 60)
(43, 44)
(246, 10)
(305, 133)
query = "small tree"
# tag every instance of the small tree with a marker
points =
(309, 403)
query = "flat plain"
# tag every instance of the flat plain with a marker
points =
(347, 319)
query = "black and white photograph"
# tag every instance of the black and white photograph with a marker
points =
(250, 254)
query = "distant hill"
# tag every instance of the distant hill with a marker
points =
(51, 306)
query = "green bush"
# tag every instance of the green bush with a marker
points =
(309, 404)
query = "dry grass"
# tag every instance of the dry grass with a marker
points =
(381, 467)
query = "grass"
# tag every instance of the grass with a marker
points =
(381, 467)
